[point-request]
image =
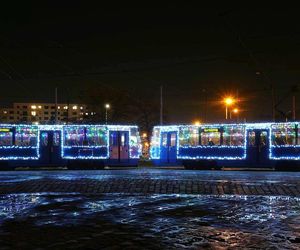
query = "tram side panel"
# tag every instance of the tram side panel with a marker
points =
(19, 145)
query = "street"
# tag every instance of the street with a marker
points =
(149, 209)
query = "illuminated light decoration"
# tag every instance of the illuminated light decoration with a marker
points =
(134, 142)
(155, 148)
(20, 130)
(135, 148)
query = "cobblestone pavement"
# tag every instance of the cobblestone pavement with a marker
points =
(149, 209)
(147, 181)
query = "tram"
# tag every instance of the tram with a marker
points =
(253, 145)
(73, 146)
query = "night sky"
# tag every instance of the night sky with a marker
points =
(197, 53)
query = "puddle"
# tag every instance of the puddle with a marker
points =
(175, 221)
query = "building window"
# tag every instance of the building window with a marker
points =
(46, 113)
(33, 106)
(46, 118)
(46, 107)
(24, 107)
(33, 113)
(75, 107)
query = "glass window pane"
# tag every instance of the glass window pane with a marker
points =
(164, 139)
(26, 136)
(189, 136)
(210, 137)
(283, 134)
(74, 136)
(251, 138)
(263, 138)
(6, 137)
(173, 139)
(56, 139)
(234, 135)
(44, 139)
(96, 136)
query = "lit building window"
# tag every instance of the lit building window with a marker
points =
(81, 107)
(75, 107)
(86, 113)
(58, 107)
(5, 112)
(33, 113)
(40, 107)
(65, 107)
(33, 106)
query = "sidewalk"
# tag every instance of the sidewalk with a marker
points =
(151, 186)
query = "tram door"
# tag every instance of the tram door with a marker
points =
(119, 146)
(258, 146)
(50, 147)
(168, 147)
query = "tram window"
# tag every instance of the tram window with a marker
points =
(96, 136)
(56, 139)
(26, 136)
(6, 137)
(210, 137)
(283, 134)
(173, 140)
(164, 139)
(189, 136)
(263, 138)
(251, 138)
(44, 139)
(233, 135)
(74, 136)
(114, 139)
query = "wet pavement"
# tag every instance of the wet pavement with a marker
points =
(79, 209)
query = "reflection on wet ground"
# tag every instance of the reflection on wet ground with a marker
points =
(176, 221)
(146, 173)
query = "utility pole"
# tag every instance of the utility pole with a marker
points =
(273, 103)
(161, 105)
(294, 108)
(55, 105)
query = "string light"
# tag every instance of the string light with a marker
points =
(219, 151)
(70, 151)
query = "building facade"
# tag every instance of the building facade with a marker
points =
(45, 113)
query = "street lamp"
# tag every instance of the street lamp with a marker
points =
(235, 111)
(107, 106)
(228, 102)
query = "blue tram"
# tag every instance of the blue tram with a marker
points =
(75, 146)
(269, 145)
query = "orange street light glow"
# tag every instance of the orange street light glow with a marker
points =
(197, 123)
(228, 101)
(235, 110)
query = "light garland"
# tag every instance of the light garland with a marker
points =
(134, 145)
(155, 149)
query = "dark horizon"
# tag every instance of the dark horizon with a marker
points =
(197, 54)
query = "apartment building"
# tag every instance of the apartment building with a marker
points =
(44, 113)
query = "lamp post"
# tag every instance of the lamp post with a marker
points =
(107, 106)
(228, 102)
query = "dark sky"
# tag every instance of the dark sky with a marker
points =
(197, 53)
